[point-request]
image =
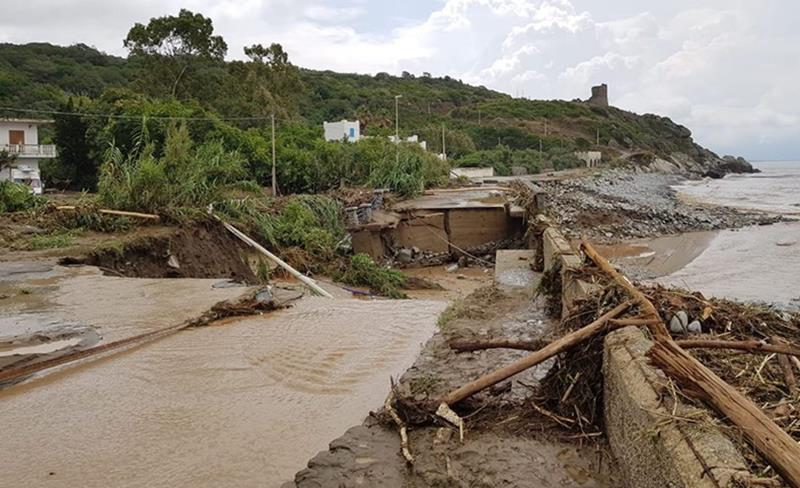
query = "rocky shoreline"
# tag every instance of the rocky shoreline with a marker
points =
(624, 204)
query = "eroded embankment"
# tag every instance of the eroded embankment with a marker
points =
(200, 250)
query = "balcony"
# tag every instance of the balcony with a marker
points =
(30, 150)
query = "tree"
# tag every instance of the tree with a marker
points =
(175, 45)
(76, 166)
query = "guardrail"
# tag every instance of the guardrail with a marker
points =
(34, 150)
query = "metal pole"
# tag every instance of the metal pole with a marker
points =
(274, 177)
(444, 146)
(397, 128)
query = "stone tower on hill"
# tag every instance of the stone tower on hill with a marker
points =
(599, 96)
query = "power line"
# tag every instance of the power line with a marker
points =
(121, 116)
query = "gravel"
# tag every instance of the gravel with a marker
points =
(622, 204)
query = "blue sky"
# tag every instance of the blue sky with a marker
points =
(728, 70)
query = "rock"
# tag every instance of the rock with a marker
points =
(683, 317)
(415, 250)
(452, 268)
(172, 262)
(695, 327)
(675, 325)
(404, 256)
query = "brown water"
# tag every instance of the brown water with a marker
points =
(244, 403)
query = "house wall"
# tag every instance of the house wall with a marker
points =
(31, 131)
(344, 129)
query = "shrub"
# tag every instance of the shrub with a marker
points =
(362, 271)
(15, 197)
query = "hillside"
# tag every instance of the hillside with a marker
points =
(483, 126)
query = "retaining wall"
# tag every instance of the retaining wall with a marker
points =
(651, 447)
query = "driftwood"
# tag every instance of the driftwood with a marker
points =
(658, 328)
(479, 345)
(786, 365)
(777, 447)
(556, 347)
(120, 213)
(749, 346)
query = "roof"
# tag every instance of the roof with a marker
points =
(27, 121)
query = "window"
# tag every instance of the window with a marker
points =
(352, 132)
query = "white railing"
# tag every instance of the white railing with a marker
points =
(31, 150)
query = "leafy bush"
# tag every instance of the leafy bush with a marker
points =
(15, 197)
(362, 271)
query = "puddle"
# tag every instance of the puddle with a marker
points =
(44, 348)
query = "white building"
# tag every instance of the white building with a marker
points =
(344, 129)
(20, 138)
(414, 139)
(591, 158)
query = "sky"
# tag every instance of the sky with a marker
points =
(725, 69)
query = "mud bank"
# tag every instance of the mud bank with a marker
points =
(504, 445)
(201, 250)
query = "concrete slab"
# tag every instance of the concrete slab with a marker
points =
(513, 268)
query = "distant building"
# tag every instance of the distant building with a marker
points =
(414, 139)
(344, 129)
(599, 96)
(20, 138)
(591, 158)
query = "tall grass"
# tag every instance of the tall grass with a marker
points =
(186, 175)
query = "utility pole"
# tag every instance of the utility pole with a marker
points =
(274, 177)
(598, 137)
(397, 127)
(444, 147)
(479, 116)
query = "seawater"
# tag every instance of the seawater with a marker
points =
(759, 263)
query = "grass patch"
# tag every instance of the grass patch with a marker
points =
(50, 241)
(15, 197)
(362, 271)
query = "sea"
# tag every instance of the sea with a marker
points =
(760, 263)
(755, 264)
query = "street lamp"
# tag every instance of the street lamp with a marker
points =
(397, 127)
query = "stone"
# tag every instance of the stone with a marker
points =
(404, 256)
(684, 318)
(695, 327)
(452, 268)
(675, 325)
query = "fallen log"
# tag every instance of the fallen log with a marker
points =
(749, 346)
(556, 347)
(468, 346)
(775, 445)
(121, 213)
(658, 328)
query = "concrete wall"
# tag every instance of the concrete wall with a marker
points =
(427, 232)
(472, 172)
(652, 448)
(591, 158)
(344, 129)
(473, 227)
(31, 131)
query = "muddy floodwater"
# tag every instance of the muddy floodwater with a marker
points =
(244, 402)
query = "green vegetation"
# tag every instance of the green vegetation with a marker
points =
(362, 271)
(16, 197)
(54, 240)
(185, 175)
